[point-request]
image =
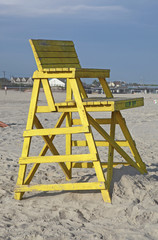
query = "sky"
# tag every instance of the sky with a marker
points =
(120, 35)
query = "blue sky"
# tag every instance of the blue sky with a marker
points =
(121, 35)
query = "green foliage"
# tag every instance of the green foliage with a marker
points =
(96, 83)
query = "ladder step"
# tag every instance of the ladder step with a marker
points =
(90, 164)
(61, 187)
(59, 158)
(55, 131)
(98, 120)
(100, 143)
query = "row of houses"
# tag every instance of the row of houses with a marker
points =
(22, 80)
(116, 87)
(29, 81)
(128, 89)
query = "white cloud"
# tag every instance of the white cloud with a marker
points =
(9, 2)
(80, 9)
(37, 8)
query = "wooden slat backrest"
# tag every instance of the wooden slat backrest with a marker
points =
(54, 54)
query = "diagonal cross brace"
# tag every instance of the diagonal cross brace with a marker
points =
(43, 152)
(106, 136)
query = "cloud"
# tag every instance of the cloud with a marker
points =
(38, 8)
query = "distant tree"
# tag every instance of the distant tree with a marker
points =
(96, 83)
(135, 84)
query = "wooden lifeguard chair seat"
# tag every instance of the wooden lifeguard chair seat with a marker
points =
(58, 59)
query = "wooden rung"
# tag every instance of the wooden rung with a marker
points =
(98, 120)
(90, 164)
(43, 109)
(58, 158)
(61, 187)
(55, 131)
(83, 143)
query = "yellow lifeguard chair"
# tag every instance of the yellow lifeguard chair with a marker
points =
(58, 59)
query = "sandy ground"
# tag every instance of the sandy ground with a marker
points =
(133, 213)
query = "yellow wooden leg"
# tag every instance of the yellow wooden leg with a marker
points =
(22, 168)
(105, 87)
(78, 99)
(132, 145)
(69, 145)
(27, 140)
(48, 94)
(98, 167)
(90, 139)
(69, 136)
(20, 181)
(111, 151)
(81, 88)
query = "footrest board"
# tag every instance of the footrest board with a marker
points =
(61, 187)
(102, 104)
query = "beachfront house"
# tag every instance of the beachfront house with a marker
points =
(22, 80)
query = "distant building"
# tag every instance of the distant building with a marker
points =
(111, 84)
(54, 82)
(22, 80)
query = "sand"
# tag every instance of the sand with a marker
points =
(77, 215)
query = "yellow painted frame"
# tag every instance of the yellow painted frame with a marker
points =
(76, 101)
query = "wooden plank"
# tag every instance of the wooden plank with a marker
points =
(100, 143)
(111, 150)
(43, 152)
(58, 158)
(31, 173)
(51, 146)
(78, 99)
(129, 103)
(97, 165)
(68, 143)
(33, 104)
(20, 180)
(61, 65)
(98, 120)
(55, 49)
(59, 70)
(60, 54)
(43, 109)
(48, 94)
(105, 87)
(58, 124)
(109, 108)
(104, 105)
(27, 140)
(92, 73)
(81, 88)
(55, 131)
(44, 42)
(59, 60)
(61, 187)
(53, 73)
(91, 165)
(114, 144)
(36, 56)
(130, 140)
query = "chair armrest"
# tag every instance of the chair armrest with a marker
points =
(72, 73)
(82, 72)
(92, 73)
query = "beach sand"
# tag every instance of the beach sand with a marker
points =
(133, 214)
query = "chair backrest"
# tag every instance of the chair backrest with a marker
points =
(54, 54)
